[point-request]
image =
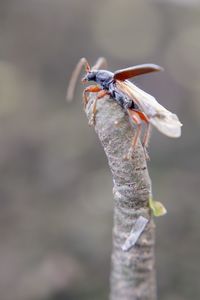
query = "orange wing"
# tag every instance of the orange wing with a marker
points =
(136, 70)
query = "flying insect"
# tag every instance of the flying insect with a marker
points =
(140, 106)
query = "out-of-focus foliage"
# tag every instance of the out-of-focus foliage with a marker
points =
(55, 186)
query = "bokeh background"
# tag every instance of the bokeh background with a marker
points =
(55, 185)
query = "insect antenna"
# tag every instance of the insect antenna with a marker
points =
(73, 80)
(101, 62)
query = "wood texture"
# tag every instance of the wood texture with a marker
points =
(133, 271)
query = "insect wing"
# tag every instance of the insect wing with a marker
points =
(165, 121)
(136, 70)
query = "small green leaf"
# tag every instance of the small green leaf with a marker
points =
(157, 208)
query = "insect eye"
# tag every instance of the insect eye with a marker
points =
(91, 76)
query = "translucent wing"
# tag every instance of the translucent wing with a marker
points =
(165, 121)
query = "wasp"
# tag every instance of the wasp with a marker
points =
(139, 105)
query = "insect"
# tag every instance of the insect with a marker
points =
(140, 106)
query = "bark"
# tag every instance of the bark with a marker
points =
(133, 270)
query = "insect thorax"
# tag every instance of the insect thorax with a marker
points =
(103, 78)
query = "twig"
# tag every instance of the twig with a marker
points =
(133, 269)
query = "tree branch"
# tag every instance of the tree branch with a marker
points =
(133, 270)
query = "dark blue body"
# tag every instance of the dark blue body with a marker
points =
(105, 79)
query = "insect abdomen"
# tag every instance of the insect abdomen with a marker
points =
(120, 98)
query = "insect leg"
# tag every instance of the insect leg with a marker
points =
(135, 117)
(101, 62)
(147, 133)
(72, 83)
(147, 136)
(101, 94)
(92, 89)
(146, 139)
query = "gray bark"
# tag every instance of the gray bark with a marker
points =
(132, 271)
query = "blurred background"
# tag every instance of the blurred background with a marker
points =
(56, 202)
